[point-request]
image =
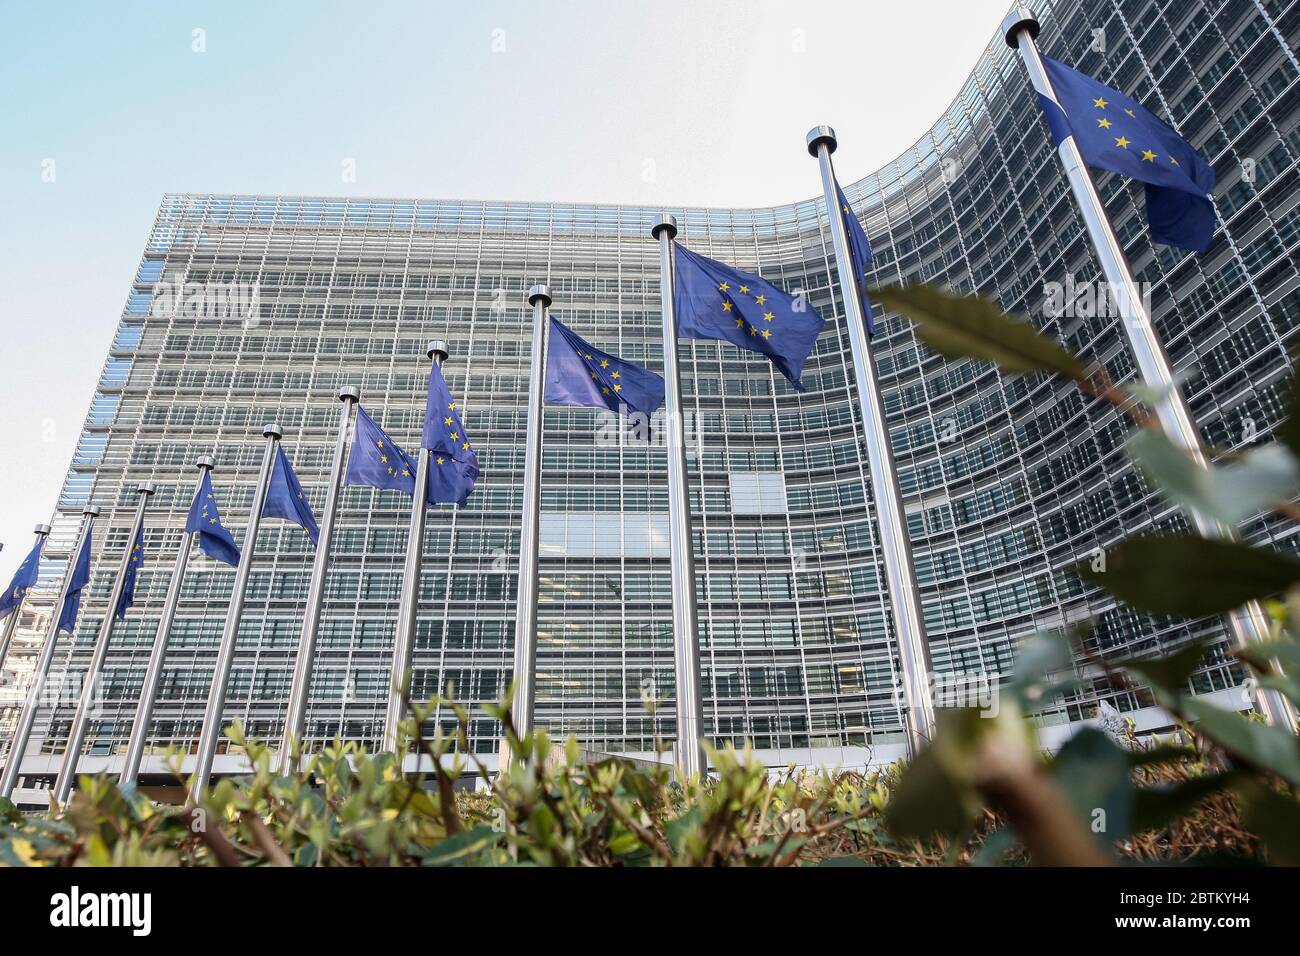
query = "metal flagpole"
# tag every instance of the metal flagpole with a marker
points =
(521, 710)
(11, 623)
(895, 548)
(153, 671)
(27, 716)
(212, 722)
(296, 715)
(686, 643)
(67, 777)
(404, 636)
(1249, 624)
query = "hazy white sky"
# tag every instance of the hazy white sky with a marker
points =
(675, 102)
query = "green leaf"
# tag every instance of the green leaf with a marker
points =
(966, 327)
(1162, 754)
(1275, 819)
(929, 800)
(677, 830)
(1283, 685)
(1262, 745)
(1153, 395)
(843, 861)
(1289, 431)
(1037, 658)
(1170, 673)
(1261, 655)
(1191, 576)
(935, 794)
(1228, 493)
(460, 847)
(1157, 807)
(1094, 774)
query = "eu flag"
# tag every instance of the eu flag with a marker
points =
(132, 570)
(453, 466)
(578, 373)
(715, 301)
(1119, 134)
(376, 460)
(76, 583)
(23, 578)
(215, 540)
(859, 255)
(285, 498)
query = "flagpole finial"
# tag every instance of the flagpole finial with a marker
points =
(822, 134)
(206, 461)
(272, 430)
(90, 511)
(665, 223)
(349, 393)
(540, 291)
(42, 529)
(1020, 18)
(145, 488)
(437, 350)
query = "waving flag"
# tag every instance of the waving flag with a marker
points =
(76, 584)
(376, 460)
(132, 571)
(205, 520)
(859, 253)
(715, 301)
(23, 578)
(578, 373)
(285, 497)
(453, 466)
(1117, 133)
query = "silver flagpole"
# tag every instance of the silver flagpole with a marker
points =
(686, 643)
(521, 710)
(67, 777)
(404, 636)
(1249, 624)
(212, 722)
(153, 672)
(296, 715)
(27, 716)
(11, 623)
(895, 548)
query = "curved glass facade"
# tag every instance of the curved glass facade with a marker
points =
(1007, 481)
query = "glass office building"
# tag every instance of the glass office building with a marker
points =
(1007, 481)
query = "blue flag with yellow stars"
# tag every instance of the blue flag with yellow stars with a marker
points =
(859, 254)
(578, 373)
(76, 583)
(376, 460)
(215, 540)
(132, 570)
(285, 498)
(453, 465)
(715, 301)
(1117, 133)
(23, 578)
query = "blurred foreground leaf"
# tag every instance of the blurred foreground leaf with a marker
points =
(968, 327)
(1191, 576)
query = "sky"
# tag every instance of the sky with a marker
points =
(104, 107)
